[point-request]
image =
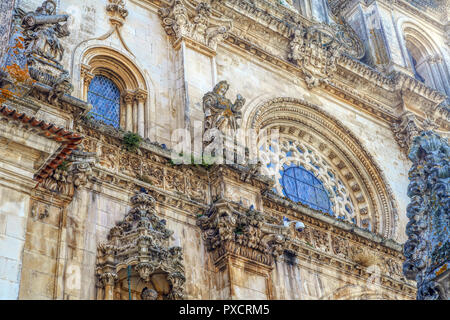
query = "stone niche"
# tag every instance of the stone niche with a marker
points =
(136, 262)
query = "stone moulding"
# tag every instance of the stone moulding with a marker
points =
(141, 241)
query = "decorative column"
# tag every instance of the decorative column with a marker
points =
(86, 78)
(427, 250)
(141, 97)
(128, 100)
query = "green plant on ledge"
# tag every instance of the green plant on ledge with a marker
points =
(131, 141)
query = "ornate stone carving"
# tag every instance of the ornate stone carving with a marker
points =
(72, 174)
(427, 250)
(117, 15)
(408, 127)
(247, 234)
(182, 20)
(316, 49)
(220, 112)
(42, 30)
(141, 241)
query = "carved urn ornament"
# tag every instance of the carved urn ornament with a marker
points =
(137, 260)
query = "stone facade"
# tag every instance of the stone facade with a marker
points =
(96, 211)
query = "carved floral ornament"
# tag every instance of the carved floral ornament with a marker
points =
(138, 252)
(182, 19)
(370, 199)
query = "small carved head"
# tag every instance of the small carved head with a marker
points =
(149, 294)
(221, 88)
(48, 7)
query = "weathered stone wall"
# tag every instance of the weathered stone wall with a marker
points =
(54, 256)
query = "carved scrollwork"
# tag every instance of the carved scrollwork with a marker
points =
(316, 49)
(246, 234)
(182, 20)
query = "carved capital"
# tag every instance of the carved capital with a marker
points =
(140, 95)
(408, 127)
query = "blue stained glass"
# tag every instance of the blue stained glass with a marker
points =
(104, 96)
(300, 185)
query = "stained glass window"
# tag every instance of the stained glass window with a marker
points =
(104, 96)
(300, 185)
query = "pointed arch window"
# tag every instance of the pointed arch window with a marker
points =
(104, 96)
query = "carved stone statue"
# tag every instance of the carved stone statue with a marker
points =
(42, 30)
(220, 112)
(149, 294)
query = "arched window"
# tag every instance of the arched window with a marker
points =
(116, 89)
(104, 96)
(300, 185)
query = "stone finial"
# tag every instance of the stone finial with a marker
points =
(117, 11)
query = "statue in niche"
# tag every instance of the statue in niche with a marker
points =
(220, 112)
(42, 30)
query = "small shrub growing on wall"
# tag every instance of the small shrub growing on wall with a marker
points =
(131, 141)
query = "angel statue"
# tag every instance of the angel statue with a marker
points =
(42, 30)
(220, 112)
